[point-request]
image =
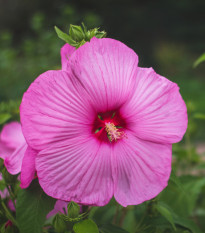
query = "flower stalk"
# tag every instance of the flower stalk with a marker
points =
(8, 213)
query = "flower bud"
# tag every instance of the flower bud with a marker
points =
(59, 224)
(79, 35)
(73, 210)
(8, 227)
(76, 33)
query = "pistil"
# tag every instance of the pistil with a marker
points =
(113, 132)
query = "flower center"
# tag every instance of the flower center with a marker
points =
(112, 132)
(108, 126)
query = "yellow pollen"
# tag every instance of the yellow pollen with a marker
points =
(113, 132)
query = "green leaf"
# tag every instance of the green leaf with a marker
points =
(187, 223)
(164, 211)
(86, 226)
(193, 187)
(4, 117)
(155, 224)
(183, 199)
(199, 60)
(63, 36)
(177, 213)
(110, 228)
(176, 181)
(32, 207)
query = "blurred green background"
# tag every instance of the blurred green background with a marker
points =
(167, 35)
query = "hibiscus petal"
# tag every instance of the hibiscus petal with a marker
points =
(14, 161)
(11, 205)
(28, 167)
(4, 193)
(5, 151)
(66, 51)
(141, 169)
(156, 112)
(77, 170)
(11, 135)
(60, 206)
(56, 107)
(106, 67)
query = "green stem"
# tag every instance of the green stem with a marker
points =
(122, 218)
(11, 195)
(188, 144)
(8, 214)
(116, 214)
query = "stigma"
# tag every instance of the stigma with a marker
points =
(113, 132)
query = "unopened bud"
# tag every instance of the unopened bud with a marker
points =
(73, 210)
(59, 224)
(8, 227)
(76, 33)
(79, 35)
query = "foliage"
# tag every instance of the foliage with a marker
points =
(32, 207)
(199, 60)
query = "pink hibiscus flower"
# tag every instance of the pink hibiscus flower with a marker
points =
(12, 147)
(18, 157)
(103, 126)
